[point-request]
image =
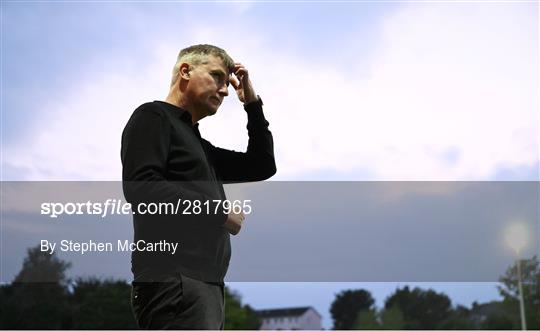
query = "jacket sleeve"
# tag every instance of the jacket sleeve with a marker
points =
(258, 162)
(144, 154)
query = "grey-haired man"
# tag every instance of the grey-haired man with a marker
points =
(165, 159)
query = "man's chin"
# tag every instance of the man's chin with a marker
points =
(212, 110)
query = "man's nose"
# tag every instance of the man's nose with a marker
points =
(224, 90)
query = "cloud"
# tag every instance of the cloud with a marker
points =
(387, 226)
(450, 94)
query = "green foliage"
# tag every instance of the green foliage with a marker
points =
(530, 272)
(387, 319)
(367, 320)
(347, 305)
(509, 290)
(41, 297)
(101, 304)
(237, 316)
(42, 267)
(421, 309)
(459, 319)
(34, 306)
(392, 319)
(498, 322)
(38, 297)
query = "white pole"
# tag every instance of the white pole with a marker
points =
(521, 302)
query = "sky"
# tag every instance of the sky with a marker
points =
(450, 236)
(365, 91)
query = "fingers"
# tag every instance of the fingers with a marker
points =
(240, 71)
(234, 82)
(234, 221)
(242, 84)
(241, 216)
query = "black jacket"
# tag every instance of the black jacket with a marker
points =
(164, 159)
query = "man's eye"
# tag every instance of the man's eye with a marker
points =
(219, 78)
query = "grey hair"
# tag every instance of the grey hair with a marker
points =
(198, 54)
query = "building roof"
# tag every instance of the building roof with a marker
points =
(283, 312)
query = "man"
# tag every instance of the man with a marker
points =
(165, 159)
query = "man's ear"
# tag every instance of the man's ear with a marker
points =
(184, 71)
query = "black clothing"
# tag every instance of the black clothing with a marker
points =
(178, 303)
(165, 159)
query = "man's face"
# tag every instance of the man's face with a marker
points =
(208, 85)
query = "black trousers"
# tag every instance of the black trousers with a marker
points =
(178, 302)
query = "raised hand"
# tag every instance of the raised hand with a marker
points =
(240, 81)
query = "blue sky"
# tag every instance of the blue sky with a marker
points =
(353, 91)
(419, 91)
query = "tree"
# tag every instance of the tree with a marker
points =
(42, 267)
(238, 316)
(498, 322)
(347, 305)
(38, 297)
(421, 309)
(367, 320)
(392, 319)
(530, 272)
(42, 297)
(386, 319)
(459, 319)
(102, 304)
